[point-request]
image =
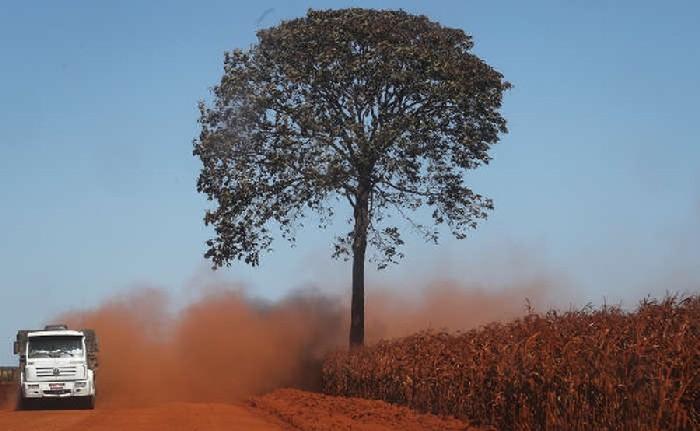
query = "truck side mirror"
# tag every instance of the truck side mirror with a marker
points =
(16, 346)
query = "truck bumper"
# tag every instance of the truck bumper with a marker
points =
(78, 388)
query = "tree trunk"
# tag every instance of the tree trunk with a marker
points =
(359, 246)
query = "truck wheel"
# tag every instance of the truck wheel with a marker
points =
(20, 401)
(24, 403)
(89, 403)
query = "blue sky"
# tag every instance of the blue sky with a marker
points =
(596, 185)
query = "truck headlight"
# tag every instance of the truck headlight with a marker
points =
(80, 384)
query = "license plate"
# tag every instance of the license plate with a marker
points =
(56, 386)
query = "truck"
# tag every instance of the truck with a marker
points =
(56, 363)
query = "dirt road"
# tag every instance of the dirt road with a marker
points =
(284, 409)
(174, 416)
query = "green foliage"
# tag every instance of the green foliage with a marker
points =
(382, 109)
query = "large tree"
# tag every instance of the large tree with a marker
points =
(383, 110)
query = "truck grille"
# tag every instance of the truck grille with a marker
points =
(50, 371)
(57, 392)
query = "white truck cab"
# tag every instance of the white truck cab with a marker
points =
(57, 363)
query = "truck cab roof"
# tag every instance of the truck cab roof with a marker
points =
(64, 332)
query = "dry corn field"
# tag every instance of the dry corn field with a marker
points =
(590, 369)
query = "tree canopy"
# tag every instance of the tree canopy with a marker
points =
(383, 110)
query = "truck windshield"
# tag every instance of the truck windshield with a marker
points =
(55, 347)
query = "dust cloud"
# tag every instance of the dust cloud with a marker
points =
(449, 305)
(226, 346)
(223, 346)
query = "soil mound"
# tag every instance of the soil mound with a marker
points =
(317, 412)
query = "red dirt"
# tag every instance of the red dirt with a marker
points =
(170, 417)
(285, 409)
(317, 412)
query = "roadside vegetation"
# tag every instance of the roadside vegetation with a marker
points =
(603, 369)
